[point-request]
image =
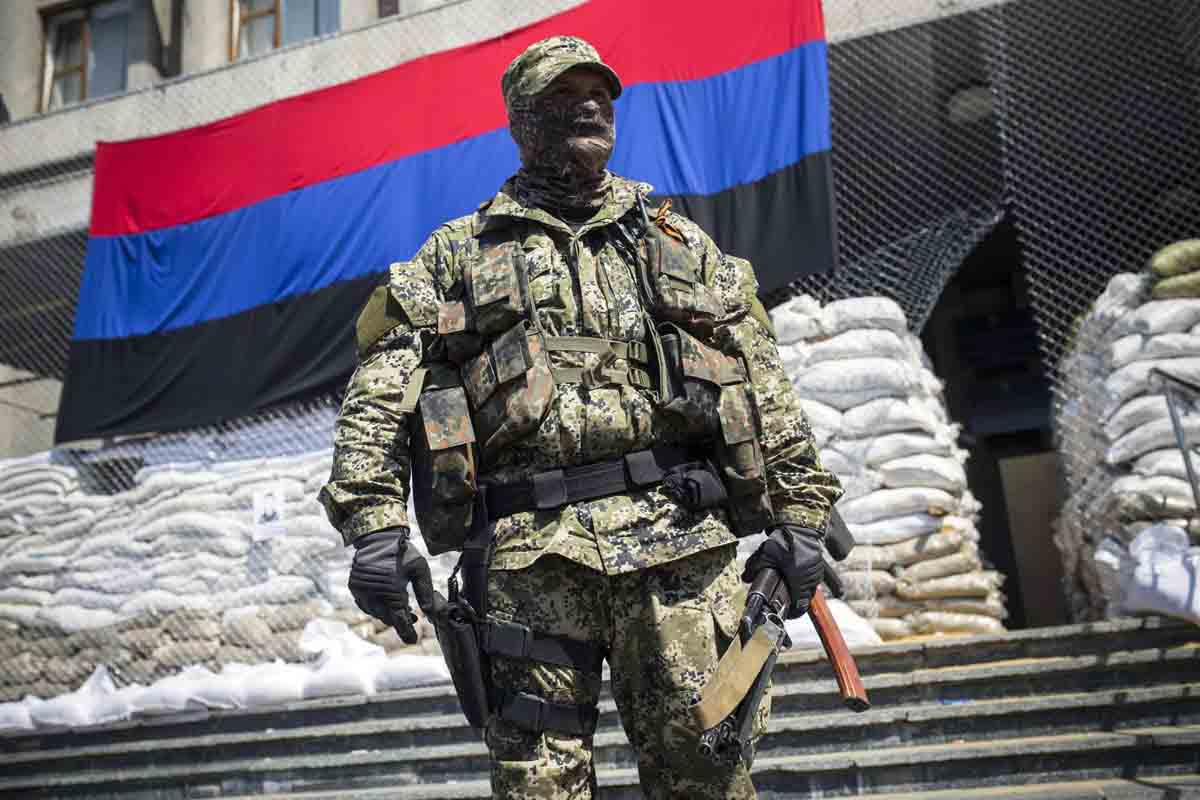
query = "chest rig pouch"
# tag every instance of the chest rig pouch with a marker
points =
(491, 337)
(709, 392)
(444, 456)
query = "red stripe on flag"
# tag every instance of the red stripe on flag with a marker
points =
(157, 182)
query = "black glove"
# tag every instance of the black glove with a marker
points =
(384, 566)
(795, 553)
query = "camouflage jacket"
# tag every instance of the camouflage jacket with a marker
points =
(582, 283)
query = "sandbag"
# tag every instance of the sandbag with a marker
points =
(886, 503)
(965, 560)
(248, 630)
(990, 606)
(87, 598)
(1137, 412)
(977, 584)
(1162, 575)
(865, 584)
(946, 622)
(74, 618)
(894, 607)
(1136, 347)
(1134, 506)
(1178, 258)
(1180, 286)
(1134, 379)
(901, 445)
(126, 580)
(276, 590)
(1155, 435)
(297, 553)
(895, 529)
(77, 708)
(22, 596)
(273, 684)
(863, 312)
(858, 343)
(798, 320)
(171, 695)
(1163, 316)
(187, 624)
(157, 601)
(15, 717)
(888, 415)
(1165, 462)
(1158, 485)
(903, 553)
(221, 690)
(889, 629)
(856, 631)
(823, 419)
(833, 460)
(845, 384)
(183, 654)
(938, 472)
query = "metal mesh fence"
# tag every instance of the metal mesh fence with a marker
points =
(1102, 161)
(916, 160)
(207, 547)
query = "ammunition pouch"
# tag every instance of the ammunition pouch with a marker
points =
(444, 456)
(711, 396)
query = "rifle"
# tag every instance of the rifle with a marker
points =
(761, 635)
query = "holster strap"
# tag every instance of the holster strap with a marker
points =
(560, 487)
(511, 640)
(533, 713)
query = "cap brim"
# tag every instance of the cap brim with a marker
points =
(599, 66)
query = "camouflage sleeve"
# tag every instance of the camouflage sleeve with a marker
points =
(369, 484)
(802, 491)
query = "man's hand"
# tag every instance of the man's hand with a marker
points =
(795, 552)
(384, 566)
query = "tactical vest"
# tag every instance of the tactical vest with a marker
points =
(498, 380)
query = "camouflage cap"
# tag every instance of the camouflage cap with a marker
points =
(540, 63)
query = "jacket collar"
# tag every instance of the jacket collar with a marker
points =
(503, 209)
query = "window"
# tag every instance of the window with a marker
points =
(86, 53)
(263, 25)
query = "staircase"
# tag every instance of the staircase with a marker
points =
(1104, 710)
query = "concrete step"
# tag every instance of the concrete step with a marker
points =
(1150, 754)
(968, 695)
(1173, 787)
(1002, 698)
(1167, 705)
(1071, 658)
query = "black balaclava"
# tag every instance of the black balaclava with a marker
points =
(565, 142)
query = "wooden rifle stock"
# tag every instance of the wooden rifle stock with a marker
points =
(850, 685)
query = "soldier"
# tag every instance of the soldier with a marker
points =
(589, 386)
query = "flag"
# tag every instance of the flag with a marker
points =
(226, 263)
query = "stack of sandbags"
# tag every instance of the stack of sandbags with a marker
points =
(201, 562)
(42, 661)
(1129, 472)
(1126, 472)
(877, 414)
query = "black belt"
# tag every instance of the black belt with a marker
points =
(559, 487)
(532, 713)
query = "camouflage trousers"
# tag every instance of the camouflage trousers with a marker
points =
(662, 630)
